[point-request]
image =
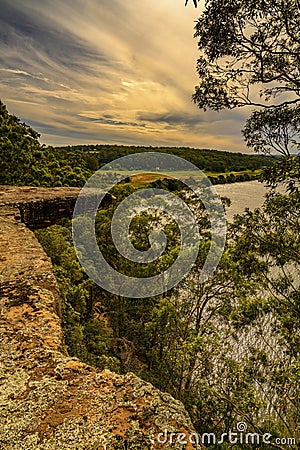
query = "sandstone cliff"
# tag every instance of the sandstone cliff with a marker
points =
(47, 399)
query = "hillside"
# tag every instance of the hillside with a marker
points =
(24, 161)
(206, 159)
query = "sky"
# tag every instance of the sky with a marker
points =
(109, 72)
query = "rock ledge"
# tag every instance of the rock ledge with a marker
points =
(47, 399)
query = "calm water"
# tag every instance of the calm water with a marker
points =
(249, 194)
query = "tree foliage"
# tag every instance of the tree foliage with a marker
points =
(277, 130)
(207, 160)
(24, 161)
(228, 348)
(87, 333)
(250, 56)
(274, 130)
(249, 53)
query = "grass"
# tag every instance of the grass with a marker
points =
(139, 178)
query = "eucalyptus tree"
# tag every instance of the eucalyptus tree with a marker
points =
(250, 57)
(249, 54)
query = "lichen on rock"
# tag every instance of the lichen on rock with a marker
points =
(49, 401)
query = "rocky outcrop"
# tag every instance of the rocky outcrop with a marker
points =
(41, 207)
(49, 400)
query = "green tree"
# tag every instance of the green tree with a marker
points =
(19, 146)
(24, 161)
(277, 130)
(249, 53)
(88, 335)
(268, 238)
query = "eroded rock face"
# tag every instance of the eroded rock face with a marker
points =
(41, 207)
(47, 399)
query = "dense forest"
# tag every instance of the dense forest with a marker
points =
(207, 160)
(228, 348)
(24, 161)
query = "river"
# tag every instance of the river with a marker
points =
(249, 194)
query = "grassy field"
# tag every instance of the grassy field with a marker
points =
(140, 179)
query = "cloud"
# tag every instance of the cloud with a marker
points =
(172, 118)
(109, 120)
(108, 71)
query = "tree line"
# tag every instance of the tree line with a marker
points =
(206, 159)
(228, 348)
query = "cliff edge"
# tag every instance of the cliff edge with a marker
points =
(49, 400)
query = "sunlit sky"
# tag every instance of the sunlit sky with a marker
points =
(108, 71)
